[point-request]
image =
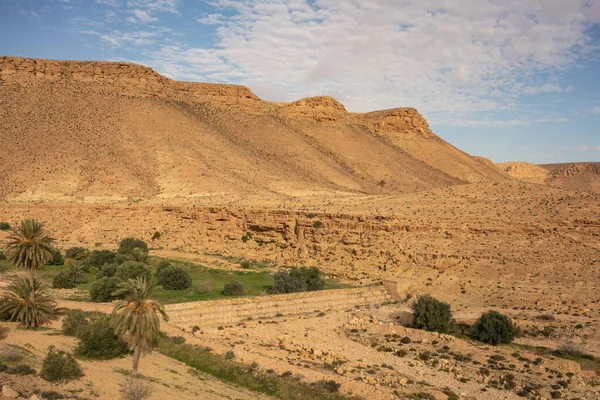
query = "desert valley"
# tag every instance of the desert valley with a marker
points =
(228, 187)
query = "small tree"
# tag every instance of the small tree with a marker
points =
(135, 319)
(57, 258)
(63, 280)
(431, 314)
(103, 289)
(135, 249)
(132, 270)
(97, 339)
(174, 278)
(494, 328)
(77, 253)
(59, 366)
(297, 280)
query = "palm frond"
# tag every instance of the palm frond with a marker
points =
(31, 311)
(29, 245)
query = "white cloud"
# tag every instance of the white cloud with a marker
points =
(110, 3)
(597, 148)
(452, 61)
(547, 88)
(596, 110)
(156, 5)
(142, 16)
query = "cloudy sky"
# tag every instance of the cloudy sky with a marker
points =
(508, 80)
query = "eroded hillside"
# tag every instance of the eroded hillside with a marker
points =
(114, 131)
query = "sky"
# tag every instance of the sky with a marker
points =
(507, 80)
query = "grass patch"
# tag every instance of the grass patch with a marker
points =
(203, 360)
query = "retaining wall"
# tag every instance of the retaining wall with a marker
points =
(222, 312)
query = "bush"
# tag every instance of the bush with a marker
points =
(156, 235)
(174, 278)
(57, 258)
(128, 247)
(108, 270)
(162, 265)
(297, 280)
(21, 370)
(2, 256)
(72, 321)
(233, 288)
(63, 280)
(102, 290)
(494, 328)
(77, 272)
(135, 389)
(328, 386)
(97, 339)
(77, 253)
(98, 258)
(431, 314)
(59, 366)
(4, 226)
(132, 270)
(203, 287)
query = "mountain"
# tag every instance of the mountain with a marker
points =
(576, 176)
(104, 131)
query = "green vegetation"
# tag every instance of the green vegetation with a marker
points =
(32, 308)
(247, 376)
(135, 319)
(29, 247)
(77, 253)
(432, 315)
(134, 249)
(57, 258)
(97, 339)
(59, 366)
(63, 280)
(133, 270)
(173, 278)
(4, 226)
(494, 328)
(297, 280)
(103, 289)
(233, 288)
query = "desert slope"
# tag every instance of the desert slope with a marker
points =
(576, 176)
(114, 131)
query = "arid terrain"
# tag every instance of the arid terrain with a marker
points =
(102, 151)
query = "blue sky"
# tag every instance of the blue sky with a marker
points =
(507, 80)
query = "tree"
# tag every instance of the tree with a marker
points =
(32, 308)
(494, 328)
(29, 247)
(431, 314)
(381, 184)
(134, 249)
(135, 318)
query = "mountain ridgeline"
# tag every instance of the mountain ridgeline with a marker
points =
(115, 131)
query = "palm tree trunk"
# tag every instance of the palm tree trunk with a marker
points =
(31, 284)
(136, 357)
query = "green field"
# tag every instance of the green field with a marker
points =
(255, 282)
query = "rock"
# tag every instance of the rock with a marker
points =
(9, 393)
(35, 397)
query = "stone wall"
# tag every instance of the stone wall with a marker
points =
(231, 311)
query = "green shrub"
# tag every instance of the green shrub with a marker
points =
(102, 290)
(128, 245)
(4, 226)
(77, 253)
(2, 256)
(98, 340)
(98, 258)
(494, 328)
(135, 389)
(108, 270)
(162, 265)
(72, 321)
(63, 280)
(21, 370)
(174, 278)
(431, 314)
(59, 366)
(156, 235)
(57, 258)
(233, 288)
(132, 270)
(297, 280)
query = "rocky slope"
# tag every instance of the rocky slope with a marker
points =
(104, 131)
(576, 176)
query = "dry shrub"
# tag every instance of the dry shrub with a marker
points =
(135, 389)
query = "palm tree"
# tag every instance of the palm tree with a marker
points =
(135, 318)
(31, 308)
(29, 247)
